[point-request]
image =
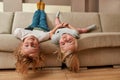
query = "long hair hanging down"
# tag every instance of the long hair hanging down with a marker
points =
(70, 58)
(72, 62)
(24, 62)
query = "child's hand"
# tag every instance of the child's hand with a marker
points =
(62, 25)
(59, 25)
(65, 24)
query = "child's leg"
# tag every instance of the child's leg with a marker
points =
(57, 20)
(82, 30)
(43, 22)
(91, 27)
(87, 29)
(35, 20)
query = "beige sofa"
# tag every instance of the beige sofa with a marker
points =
(98, 48)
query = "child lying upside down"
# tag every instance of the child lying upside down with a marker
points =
(28, 53)
(66, 39)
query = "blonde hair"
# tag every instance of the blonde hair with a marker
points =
(70, 58)
(24, 62)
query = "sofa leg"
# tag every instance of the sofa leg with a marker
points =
(63, 66)
(83, 68)
(116, 66)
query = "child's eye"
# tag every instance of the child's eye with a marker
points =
(62, 43)
(26, 45)
(33, 46)
(70, 41)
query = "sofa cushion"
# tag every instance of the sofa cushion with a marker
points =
(8, 42)
(110, 22)
(97, 40)
(48, 47)
(6, 19)
(24, 19)
(78, 19)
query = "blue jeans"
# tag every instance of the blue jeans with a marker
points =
(39, 20)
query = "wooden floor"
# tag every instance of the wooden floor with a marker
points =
(58, 74)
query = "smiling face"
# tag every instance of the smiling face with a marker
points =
(68, 43)
(30, 46)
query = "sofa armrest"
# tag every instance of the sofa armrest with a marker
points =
(8, 42)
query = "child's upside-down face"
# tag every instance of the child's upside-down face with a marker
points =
(67, 42)
(30, 46)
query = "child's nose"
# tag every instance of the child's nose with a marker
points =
(30, 43)
(64, 39)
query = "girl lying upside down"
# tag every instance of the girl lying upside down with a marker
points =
(66, 38)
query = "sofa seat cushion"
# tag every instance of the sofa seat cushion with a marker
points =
(6, 19)
(96, 40)
(22, 20)
(48, 47)
(8, 42)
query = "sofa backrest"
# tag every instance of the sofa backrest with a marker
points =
(78, 19)
(110, 22)
(6, 19)
(21, 20)
(24, 19)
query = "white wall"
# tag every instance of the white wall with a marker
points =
(31, 7)
(12, 5)
(109, 6)
(1, 6)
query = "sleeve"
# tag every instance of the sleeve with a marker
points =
(44, 36)
(55, 39)
(17, 33)
(76, 34)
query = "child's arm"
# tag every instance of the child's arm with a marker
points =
(54, 29)
(18, 32)
(62, 25)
